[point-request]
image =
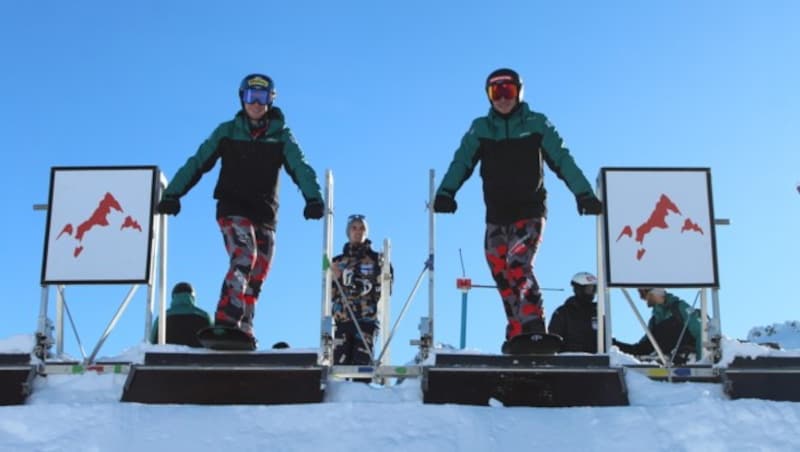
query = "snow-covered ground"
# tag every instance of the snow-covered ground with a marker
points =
(83, 413)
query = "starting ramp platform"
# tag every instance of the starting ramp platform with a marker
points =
(226, 378)
(16, 378)
(530, 380)
(766, 377)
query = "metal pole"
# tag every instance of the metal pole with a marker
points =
(647, 331)
(114, 321)
(701, 295)
(162, 284)
(715, 306)
(327, 237)
(41, 326)
(703, 322)
(431, 252)
(405, 307)
(386, 297)
(148, 305)
(603, 326)
(604, 335)
(326, 319)
(463, 341)
(162, 279)
(60, 321)
(72, 324)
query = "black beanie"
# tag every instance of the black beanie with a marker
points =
(182, 287)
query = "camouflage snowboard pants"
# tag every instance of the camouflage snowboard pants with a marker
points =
(351, 350)
(510, 253)
(250, 248)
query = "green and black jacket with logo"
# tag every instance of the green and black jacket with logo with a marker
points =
(511, 151)
(249, 175)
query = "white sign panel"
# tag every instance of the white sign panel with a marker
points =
(659, 229)
(99, 225)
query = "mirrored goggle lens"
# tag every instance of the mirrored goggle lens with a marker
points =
(253, 96)
(356, 217)
(504, 90)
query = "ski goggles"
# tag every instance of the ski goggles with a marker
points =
(257, 96)
(356, 217)
(502, 90)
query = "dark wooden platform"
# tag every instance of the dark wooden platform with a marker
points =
(16, 378)
(533, 380)
(226, 378)
(767, 377)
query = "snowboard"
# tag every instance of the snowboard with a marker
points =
(226, 338)
(532, 344)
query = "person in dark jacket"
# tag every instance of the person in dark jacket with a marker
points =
(253, 147)
(670, 313)
(576, 320)
(358, 274)
(184, 318)
(512, 144)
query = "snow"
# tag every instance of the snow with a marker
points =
(786, 334)
(83, 413)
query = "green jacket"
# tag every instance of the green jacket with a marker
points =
(511, 151)
(182, 303)
(248, 179)
(672, 305)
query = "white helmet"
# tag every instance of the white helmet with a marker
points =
(584, 284)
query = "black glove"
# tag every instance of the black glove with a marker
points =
(314, 210)
(444, 204)
(623, 347)
(169, 206)
(588, 204)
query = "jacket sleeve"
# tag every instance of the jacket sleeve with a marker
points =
(377, 278)
(643, 347)
(694, 326)
(200, 163)
(558, 323)
(298, 168)
(335, 293)
(558, 158)
(463, 164)
(205, 316)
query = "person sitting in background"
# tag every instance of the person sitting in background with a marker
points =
(576, 320)
(184, 318)
(669, 316)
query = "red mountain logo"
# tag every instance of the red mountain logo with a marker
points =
(99, 218)
(657, 220)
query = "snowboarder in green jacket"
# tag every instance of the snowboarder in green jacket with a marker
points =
(667, 321)
(253, 147)
(513, 144)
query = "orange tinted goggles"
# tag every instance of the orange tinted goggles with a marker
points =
(501, 90)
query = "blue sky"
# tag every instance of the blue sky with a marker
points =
(380, 94)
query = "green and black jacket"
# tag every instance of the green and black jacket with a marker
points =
(511, 151)
(248, 178)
